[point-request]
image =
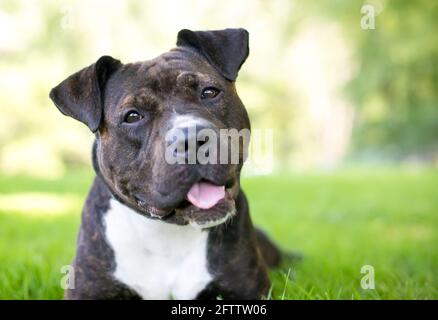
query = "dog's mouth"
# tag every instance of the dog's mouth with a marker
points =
(205, 195)
(205, 205)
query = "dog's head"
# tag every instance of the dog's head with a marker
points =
(147, 115)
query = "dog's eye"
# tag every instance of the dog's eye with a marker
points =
(132, 116)
(209, 93)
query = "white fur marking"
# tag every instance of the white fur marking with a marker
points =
(156, 259)
(186, 121)
(213, 223)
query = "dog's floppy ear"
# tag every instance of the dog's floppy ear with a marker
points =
(80, 96)
(225, 49)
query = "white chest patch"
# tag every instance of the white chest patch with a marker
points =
(156, 259)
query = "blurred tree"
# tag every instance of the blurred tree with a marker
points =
(395, 88)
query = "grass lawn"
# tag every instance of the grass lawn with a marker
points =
(339, 221)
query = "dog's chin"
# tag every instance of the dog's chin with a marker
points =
(186, 213)
(220, 213)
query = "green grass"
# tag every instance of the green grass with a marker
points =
(338, 221)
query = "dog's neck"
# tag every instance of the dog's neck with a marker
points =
(156, 259)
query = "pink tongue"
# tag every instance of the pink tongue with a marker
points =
(205, 195)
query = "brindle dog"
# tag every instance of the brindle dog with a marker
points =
(141, 236)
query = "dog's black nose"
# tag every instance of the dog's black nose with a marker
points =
(187, 140)
(194, 137)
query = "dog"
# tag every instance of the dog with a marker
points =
(151, 229)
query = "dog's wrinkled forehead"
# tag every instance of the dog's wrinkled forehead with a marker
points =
(162, 76)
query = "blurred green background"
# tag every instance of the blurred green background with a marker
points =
(354, 114)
